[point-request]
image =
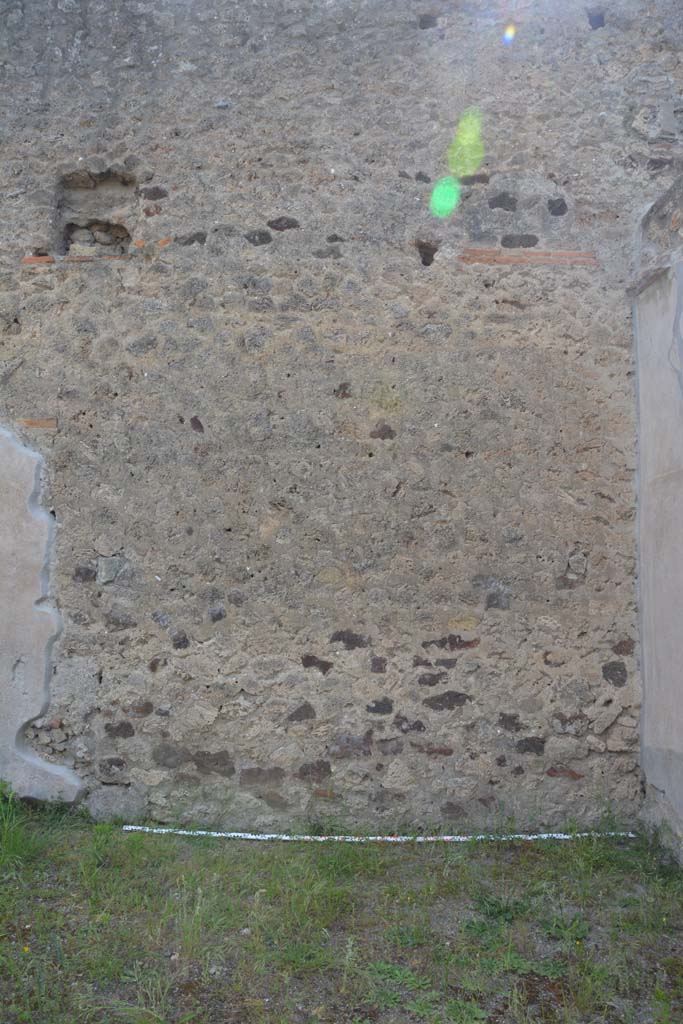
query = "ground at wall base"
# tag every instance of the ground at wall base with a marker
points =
(101, 926)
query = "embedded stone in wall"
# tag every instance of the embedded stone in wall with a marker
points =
(96, 207)
(28, 625)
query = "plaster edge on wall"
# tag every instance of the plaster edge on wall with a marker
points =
(641, 283)
(28, 774)
(658, 812)
(658, 237)
(662, 769)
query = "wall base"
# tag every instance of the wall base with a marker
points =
(657, 812)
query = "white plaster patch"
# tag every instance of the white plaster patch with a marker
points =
(29, 625)
(659, 333)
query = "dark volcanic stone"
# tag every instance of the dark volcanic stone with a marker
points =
(503, 201)
(391, 746)
(258, 776)
(530, 745)
(557, 207)
(310, 661)
(117, 619)
(615, 673)
(381, 706)
(346, 745)
(112, 771)
(475, 179)
(402, 723)
(303, 713)
(519, 241)
(432, 678)
(432, 751)
(122, 730)
(452, 642)
(259, 237)
(658, 163)
(497, 599)
(283, 223)
(624, 647)
(220, 762)
(314, 771)
(154, 192)
(447, 701)
(141, 708)
(179, 639)
(84, 574)
(194, 238)
(168, 755)
(383, 431)
(350, 640)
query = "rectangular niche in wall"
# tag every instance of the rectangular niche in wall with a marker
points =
(96, 212)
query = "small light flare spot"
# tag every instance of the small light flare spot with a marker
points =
(466, 152)
(509, 33)
(445, 197)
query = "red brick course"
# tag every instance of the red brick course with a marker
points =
(541, 257)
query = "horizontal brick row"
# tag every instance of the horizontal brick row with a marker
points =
(46, 423)
(43, 260)
(563, 258)
(566, 257)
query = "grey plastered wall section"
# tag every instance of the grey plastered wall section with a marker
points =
(658, 323)
(28, 625)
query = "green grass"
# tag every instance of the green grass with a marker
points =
(103, 927)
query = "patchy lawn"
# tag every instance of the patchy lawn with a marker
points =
(101, 926)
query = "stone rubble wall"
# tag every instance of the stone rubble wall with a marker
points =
(345, 530)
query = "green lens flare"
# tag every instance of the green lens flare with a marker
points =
(445, 197)
(465, 156)
(466, 151)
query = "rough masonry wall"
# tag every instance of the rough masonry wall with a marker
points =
(344, 494)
